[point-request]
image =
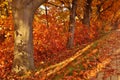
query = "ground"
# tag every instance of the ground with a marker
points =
(97, 60)
(103, 56)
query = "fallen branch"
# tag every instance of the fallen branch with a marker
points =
(55, 68)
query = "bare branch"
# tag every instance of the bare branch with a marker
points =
(106, 8)
(58, 5)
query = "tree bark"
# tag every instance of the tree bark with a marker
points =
(87, 11)
(23, 13)
(72, 24)
(23, 52)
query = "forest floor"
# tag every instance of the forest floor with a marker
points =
(100, 62)
(95, 60)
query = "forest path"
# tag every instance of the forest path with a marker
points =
(107, 46)
(111, 45)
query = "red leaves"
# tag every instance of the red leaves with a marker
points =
(6, 47)
(50, 39)
(85, 34)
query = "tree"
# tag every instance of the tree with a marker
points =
(87, 12)
(23, 13)
(72, 24)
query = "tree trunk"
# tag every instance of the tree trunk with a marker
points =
(23, 13)
(87, 11)
(23, 52)
(72, 24)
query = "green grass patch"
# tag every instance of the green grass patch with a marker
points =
(71, 69)
(95, 45)
(81, 67)
(58, 77)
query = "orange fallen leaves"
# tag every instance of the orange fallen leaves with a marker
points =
(91, 73)
(47, 41)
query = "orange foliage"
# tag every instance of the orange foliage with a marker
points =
(6, 49)
(47, 40)
(52, 38)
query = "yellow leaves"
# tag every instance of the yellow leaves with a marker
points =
(27, 74)
(3, 16)
(93, 52)
(37, 73)
(91, 73)
(5, 2)
(95, 2)
(1, 28)
(85, 65)
(108, 28)
(2, 64)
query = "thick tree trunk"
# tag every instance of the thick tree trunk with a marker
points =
(72, 24)
(23, 52)
(87, 11)
(23, 12)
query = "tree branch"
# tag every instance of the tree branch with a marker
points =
(37, 3)
(58, 5)
(108, 7)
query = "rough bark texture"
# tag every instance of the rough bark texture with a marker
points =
(23, 12)
(72, 24)
(87, 11)
(23, 53)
